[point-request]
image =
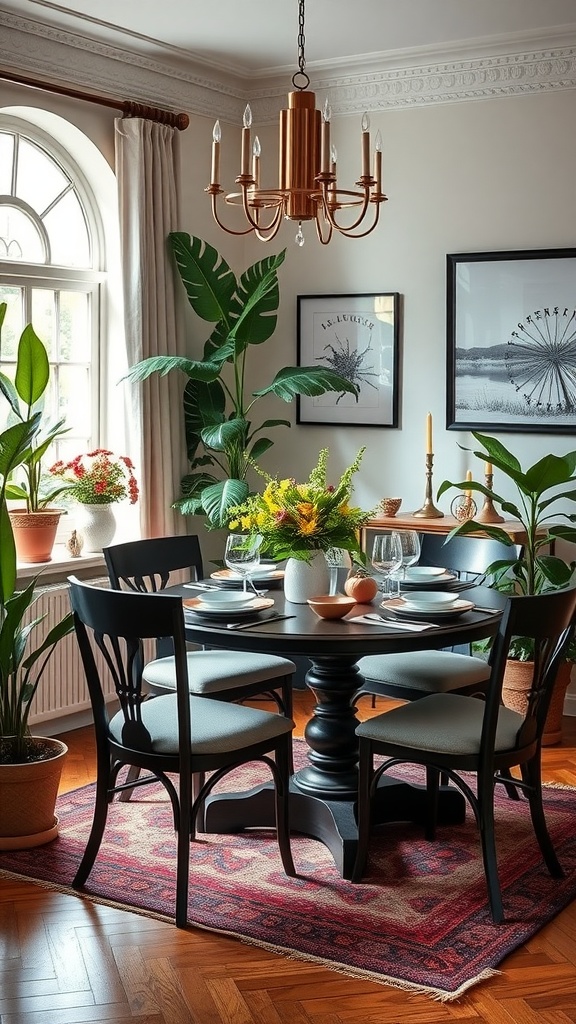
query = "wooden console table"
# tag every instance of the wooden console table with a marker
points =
(512, 527)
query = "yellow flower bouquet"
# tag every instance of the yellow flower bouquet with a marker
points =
(295, 520)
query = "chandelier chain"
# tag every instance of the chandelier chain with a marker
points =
(301, 39)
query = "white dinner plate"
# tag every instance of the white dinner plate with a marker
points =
(419, 572)
(422, 584)
(228, 577)
(195, 606)
(398, 607)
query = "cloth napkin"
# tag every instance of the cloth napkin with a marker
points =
(393, 623)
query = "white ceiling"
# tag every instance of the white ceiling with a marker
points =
(260, 36)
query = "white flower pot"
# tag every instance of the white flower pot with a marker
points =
(306, 579)
(97, 526)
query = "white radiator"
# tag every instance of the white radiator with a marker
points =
(62, 690)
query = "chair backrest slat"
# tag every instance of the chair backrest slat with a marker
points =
(147, 565)
(465, 554)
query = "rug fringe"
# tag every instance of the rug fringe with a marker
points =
(439, 995)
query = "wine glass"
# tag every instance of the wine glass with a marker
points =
(242, 554)
(387, 554)
(410, 541)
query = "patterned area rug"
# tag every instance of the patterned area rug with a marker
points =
(419, 920)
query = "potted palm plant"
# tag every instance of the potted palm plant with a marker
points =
(30, 766)
(221, 438)
(35, 524)
(540, 489)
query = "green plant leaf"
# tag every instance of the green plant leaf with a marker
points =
(469, 526)
(565, 495)
(207, 278)
(10, 394)
(556, 571)
(563, 532)
(258, 300)
(61, 629)
(306, 380)
(550, 471)
(165, 364)
(259, 447)
(497, 452)
(218, 499)
(32, 367)
(8, 559)
(223, 436)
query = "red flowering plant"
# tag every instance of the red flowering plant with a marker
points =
(99, 477)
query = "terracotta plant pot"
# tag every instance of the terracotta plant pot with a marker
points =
(517, 678)
(28, 794)
(34, 533)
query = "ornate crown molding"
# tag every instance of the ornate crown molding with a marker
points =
(377, 82)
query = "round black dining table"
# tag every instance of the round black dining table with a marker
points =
(324, 792)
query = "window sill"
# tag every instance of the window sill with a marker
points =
(62, 565)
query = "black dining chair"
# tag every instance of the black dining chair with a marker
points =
(174, 734)
(450, 733)
(414, 674)
(149, 566)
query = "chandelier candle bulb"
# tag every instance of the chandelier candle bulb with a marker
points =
(378, 162)
(216, 136)
(256, 151)
(429, 448)
(365, 146)
(246, 146)
(325, 139)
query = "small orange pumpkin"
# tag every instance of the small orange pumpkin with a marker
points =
(361, 586)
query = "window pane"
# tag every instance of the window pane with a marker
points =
(75, 343)
(39, 180)
(43, 318)
(12, 326)
(6, 155)
(75, 406)
(68, 233)
(19, 237)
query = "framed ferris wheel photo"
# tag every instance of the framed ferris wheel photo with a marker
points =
(511, 341)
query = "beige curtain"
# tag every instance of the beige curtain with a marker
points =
(145, 168)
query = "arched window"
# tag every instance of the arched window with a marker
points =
(51, 274)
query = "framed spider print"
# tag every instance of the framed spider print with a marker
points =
(357, 336)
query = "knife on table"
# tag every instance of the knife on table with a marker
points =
(258, 622)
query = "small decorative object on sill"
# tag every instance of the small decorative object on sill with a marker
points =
(302, 523)
(463, 507)
(74, 544)
(390, 506)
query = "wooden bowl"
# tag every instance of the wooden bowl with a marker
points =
(390, 506)
(331, 607)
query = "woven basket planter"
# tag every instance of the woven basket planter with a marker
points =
(517, 679)
(28, 797)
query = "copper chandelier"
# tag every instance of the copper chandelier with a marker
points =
(307, 184)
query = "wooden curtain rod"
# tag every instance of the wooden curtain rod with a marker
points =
(128, 108)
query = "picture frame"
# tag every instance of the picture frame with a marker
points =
(511, 341)
(358, 337)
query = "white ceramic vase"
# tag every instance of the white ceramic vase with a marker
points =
(96, 525)
(306, 579)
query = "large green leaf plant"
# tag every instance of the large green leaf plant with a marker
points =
(221, 437)
(21, 668)
(539, 489)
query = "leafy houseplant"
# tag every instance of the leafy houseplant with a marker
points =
(535, 571)
(222, 441)
(21, 667)
(35, 525)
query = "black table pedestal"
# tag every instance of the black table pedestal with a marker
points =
(323, 794)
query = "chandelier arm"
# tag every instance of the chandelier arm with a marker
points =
(359, 219)
(229, 231)
(323, 239)
(347, 232)
(255, 225)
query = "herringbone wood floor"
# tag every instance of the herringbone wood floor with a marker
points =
(64, 960)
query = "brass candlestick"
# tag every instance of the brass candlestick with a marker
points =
(488, 513)
(428, 510)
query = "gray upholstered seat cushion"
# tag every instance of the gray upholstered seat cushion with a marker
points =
(214, 671)
(445, 722)
(429, 671)
(216, 725)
